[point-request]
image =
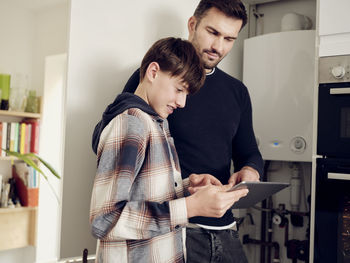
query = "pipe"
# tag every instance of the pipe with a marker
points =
(269, 220)
(263, 217)
(275, 245)
(295, 187)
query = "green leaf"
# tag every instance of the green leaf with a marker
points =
(28, 159)
(48, 166)
(25, 159)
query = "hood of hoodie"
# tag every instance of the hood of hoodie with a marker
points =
(123, 102)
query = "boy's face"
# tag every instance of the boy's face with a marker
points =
(167, 93)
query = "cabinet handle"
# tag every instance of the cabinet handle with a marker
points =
(335, 91)
(338, 176)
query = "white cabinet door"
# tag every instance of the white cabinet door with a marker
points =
(334, 27)
(334, 17)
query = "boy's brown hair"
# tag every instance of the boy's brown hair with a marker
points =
(178, 58)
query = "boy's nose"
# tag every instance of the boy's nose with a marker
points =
(181, 100)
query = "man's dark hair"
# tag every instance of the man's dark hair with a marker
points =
(231, 8)
(178, 58)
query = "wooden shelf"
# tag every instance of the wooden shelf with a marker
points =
(20, 114)
(13, 158)
(8, 158)
(17, 227)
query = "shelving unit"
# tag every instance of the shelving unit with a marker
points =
(20, 114)
(18, 226)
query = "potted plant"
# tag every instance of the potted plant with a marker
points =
(33, 160)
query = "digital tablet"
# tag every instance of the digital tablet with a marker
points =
(258, 191)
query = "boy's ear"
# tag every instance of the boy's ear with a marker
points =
(152, 71)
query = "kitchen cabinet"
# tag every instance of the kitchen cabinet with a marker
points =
(18, 226)
(334, 27)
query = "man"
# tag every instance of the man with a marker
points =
(138, 205)
(215, 128)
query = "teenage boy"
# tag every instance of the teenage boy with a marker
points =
(138, 206)
(215, 127)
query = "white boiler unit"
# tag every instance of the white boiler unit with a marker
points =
(279, 73)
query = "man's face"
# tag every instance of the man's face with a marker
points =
(167, 94)
(213, 36)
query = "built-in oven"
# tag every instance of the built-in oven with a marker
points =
(333, 131)
(332, 214)
(332, 196)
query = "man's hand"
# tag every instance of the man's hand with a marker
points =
(213, 201)
(198, 181)
(247, 173)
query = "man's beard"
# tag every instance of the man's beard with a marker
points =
(210, 64)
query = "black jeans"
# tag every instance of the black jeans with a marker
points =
(214, 246)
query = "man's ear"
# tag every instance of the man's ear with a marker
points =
(152, 70)
(191, 25)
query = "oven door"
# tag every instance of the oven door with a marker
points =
(332, 215)
(333, 133)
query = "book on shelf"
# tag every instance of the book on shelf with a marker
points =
(26, 180)
(0, 140)
(8, 136)
(4, 138)
(21, 137)
(34, 134)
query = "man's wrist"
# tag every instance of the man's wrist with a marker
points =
(251, 169)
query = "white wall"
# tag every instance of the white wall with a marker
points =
(51, 38)
(17, 37)
(106, 44)
(28, 35)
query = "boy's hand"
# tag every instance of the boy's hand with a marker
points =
(213, 201)
(198, 181)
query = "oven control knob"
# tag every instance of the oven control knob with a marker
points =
(338, 72)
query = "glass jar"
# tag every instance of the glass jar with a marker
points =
(32, 102)
(17, 99)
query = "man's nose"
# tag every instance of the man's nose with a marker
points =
(217, 45)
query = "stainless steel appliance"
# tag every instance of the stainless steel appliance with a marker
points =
(333, 132)
(332, 203)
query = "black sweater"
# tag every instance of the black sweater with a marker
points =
(214, 127)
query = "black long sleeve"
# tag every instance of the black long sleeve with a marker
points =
(214, 128)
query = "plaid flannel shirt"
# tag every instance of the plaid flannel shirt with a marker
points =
(138, 205)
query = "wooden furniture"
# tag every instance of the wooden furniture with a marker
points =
(18, 226)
